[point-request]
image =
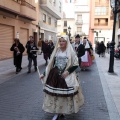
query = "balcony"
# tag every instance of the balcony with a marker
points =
(28, 11)
(10, 6)
(50, 8)
(21, 8)
(105, 3)
(79, 22)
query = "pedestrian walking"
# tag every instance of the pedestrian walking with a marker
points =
(18, 50)
(102, 49)
(79, 48)
(51, 46)
(108, 47)
(63, 94)
(46, 50)
(86, 60)
(32, 54)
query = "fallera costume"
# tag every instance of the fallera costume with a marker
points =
(86, 58)
(62, 96)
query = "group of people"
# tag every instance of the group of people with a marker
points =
(84, 51)
(32, 49)
(61, 86)
(101, 48)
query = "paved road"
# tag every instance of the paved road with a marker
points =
(21, 98)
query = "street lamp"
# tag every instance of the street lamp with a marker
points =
(69, 34)
(112, 44)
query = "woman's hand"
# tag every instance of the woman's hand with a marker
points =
(65, 74)
(41, 76)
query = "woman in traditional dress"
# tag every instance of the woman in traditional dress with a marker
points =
(86, 59)
(62, 90)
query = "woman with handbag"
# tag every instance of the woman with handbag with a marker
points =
(63, 94)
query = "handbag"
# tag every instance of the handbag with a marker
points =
(93, 57)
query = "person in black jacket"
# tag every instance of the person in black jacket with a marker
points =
(46, 50)
(18, 50)
(51, 46)
(32, 54)
(80, 49)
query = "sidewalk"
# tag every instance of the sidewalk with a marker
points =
(7, 69)
(111, 85)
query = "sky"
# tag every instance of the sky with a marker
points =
(68, 8)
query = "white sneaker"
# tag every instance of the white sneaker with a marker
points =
(55, 117)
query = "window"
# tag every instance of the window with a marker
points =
(65, 23)
(55, 23)
(102, 1)
(65, 31)
(44, 17)
(79, 17)
(79, 29)
(49, 20)
(101, 10)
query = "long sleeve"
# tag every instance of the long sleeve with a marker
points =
(22, 49)
(12, 48)
(72, 69)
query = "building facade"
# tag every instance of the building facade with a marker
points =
(82, 14)
(62, 27)
(18, 18)
(100, 22)
(50, 12)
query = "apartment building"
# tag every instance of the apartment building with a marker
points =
(82, 14)
(50, 12)
(100, 23)
(62, 27)
(17, 19)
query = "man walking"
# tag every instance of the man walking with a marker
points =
(32, 54)
(80, 49)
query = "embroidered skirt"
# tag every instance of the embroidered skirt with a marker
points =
(56, 85)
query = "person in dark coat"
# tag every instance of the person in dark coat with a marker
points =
(102, 49)
(108, 47)
(46, 50)
(51, 46)
(18, 50)
(80, 49)
(32, 54)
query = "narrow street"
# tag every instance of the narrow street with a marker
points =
(21, 98)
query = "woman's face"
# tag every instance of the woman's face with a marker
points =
(63, 43)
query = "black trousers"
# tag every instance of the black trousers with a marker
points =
(30, 59)
(18, 62)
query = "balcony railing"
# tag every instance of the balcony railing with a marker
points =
(106, 3)
(24, 3)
